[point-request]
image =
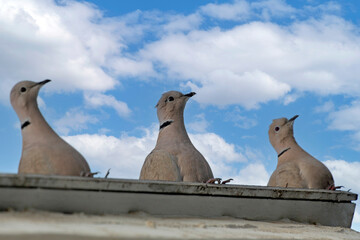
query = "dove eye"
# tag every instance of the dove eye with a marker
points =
(23, 89)
(277, 129)
(170, 99)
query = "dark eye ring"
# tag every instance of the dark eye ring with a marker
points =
(23, 89)
(277, 129)
(170, 98)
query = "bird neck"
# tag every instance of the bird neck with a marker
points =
(283, 151)
(290, 146)
(285, 143)
(172, 132)
(34, 127)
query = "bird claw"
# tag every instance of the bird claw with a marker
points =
(226, 181)
(88, 174)
(214, 180)
(333, 188)
(218, 181)
(107, 173)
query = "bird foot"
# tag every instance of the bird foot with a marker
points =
(227, 181)
(107, 173)
(218, 181)
(333, 188)
(214, 180)
(88, 174)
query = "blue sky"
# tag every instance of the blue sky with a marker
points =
(249, 62)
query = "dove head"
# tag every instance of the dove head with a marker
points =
(171, 105)
(281, 133)
(23, 97)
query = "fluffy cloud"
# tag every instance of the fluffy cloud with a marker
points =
(258, 62)
(74, 119)
(273, 8)
(220, 154)
(325, 108)
(248, 64)
(97, 100)
(345, 173)
(239, 10)
(220, 64)
(180, 23)
(200, 125)
(225, 87)
(126, 154)
(253, 174)
(61, 42)
(347, 118)
(289, 98)
(69, 42)
(239, 119)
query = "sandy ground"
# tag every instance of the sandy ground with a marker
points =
(45, 225)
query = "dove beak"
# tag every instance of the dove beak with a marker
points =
(43, 82)
(40, 84)
(293, 118)
(190, 94)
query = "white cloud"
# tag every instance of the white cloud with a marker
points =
(238, 66)
(224, 87)
(199, 125)
(230, 161)
(240, 119)
(216, 149)
(327, 7)
(183, 23)
(273, 8)
(124, 155)
(346, 174)
(41, 103)
(131, 67)
(249, 64)
(43, 40)
(356, 138)
(96, 100)
(70, 42)
(239, 10)
(219, 66)
(325, 108)
(74, 120)
(253, 174)
(292, 97)
(220, 154)
(347, 118)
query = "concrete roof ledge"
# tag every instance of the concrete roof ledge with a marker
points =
(160, 198)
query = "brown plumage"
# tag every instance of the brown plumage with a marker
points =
(174, 157)
(43, 151)
(296, 168)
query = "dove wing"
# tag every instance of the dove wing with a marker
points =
(160, 165)
(287, 175)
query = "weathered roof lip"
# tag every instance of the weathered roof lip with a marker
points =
(181, 188)
(160, 198)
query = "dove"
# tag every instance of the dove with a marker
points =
(296, 168)
(43, 151)
(174, 157)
